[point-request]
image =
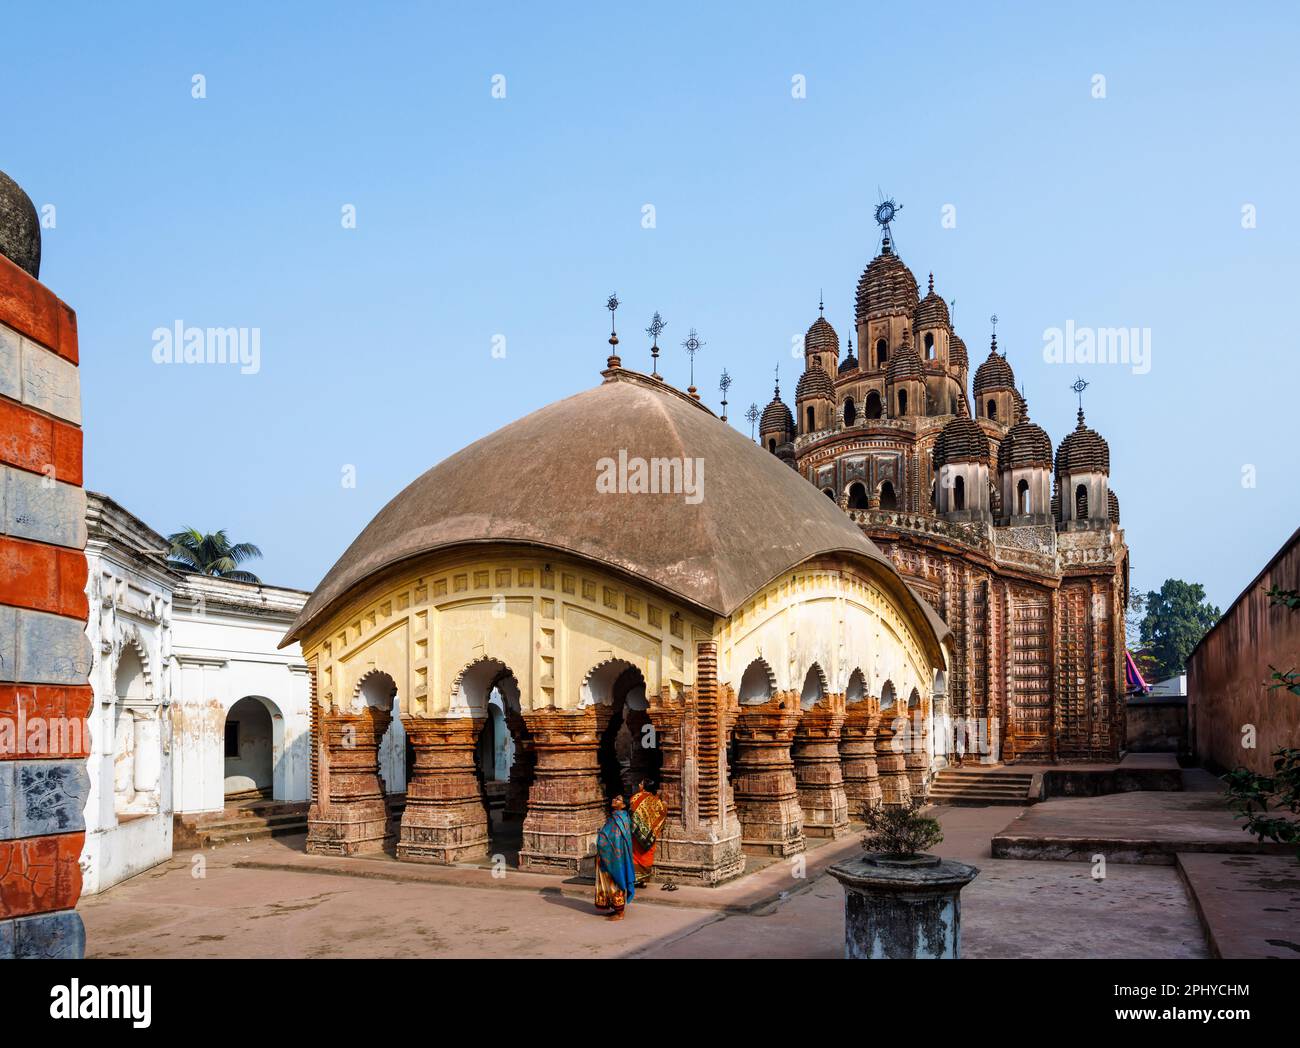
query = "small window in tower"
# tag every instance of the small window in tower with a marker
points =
(959, 494)
(232, 738)
(857, 497)
(829, 493)
(882, 352)
(771, 445)
(888, 500)
(929, 345)
(875, 407)
(902, 402)
(991, 410)
(1022, 497)
(1081, 502)
(850, 411)
(811, 418)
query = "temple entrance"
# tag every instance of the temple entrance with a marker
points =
(628, 751)
(503, 757)
(394, 757)
(254, 739)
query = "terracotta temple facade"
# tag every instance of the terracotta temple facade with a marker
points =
(1019, 551)
(770, 680)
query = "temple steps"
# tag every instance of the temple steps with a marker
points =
(247, 821)
(982, 786)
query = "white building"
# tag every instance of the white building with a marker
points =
(194, 705)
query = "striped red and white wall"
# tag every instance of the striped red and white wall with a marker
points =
(44, 653)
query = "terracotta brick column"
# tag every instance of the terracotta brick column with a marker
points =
(916, 760)
(767, 798)
(858, 755)
(895, 790)
(566, 805)
(521, 769)
(445, 819)
(349, 815)
(817, 772)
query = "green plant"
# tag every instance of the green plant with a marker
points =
(211, 554)
(900, 832)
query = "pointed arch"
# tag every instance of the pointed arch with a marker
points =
(473, 686)
(856, 689)
(815, 687)
(887, 695)
(757, 684)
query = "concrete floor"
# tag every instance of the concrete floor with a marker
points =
(1014, 908)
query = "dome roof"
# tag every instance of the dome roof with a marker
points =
(20, 228)
(776, 416)
(994, 374)
(1026, 444)
(821, 338)
(957, 351)
(961, 440)
(932, 312)
(904, 364)
(849, 363)
(1083, 451)
(713, 554)
(1112, 500)
(814, 382)
(886, 287)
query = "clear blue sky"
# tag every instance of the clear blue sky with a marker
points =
(479, 217)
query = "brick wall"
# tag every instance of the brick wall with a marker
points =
(44, 654)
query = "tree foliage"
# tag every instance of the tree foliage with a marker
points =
(1175, 618)
(900, 831)
(211, 554)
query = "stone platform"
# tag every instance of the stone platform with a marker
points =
(1138, 827)
(1249, 905)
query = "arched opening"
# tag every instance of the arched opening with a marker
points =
(850, 411)
(487, 688)
(888, 499)
(882, 352)
(929, 346)
(137, 744)
(1081, 502)
(379, 691)
(887, 696)
(814, 687)
(254, 749)
(959, 493)
(991, 409)
(812, 425)
(757, 684)
(858, 496)
(628, 750)
(902, 403)
(1022, 498)
(856, 690)
(829, 493)
(875, 407)
(771, 445)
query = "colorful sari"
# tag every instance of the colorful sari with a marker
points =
(648, 816)
(615, 879)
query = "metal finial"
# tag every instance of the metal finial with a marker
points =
(693, 345)
(821, 303)
(751, 414)
(994, 321)
(724, 384)
(655, 329)
(886, 211)
(1079, 385)
(932, 283)
(778, 380)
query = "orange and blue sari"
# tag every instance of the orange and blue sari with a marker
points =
(648, 816)
(615, 876)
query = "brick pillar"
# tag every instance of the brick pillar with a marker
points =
(445, 820)
(700, 843)
(521, 769)
(350, 817)
(858, 756)
(916, 759)
(817, 771)
(45, 655)
(895, 790)
(566, 805)
(767, 798)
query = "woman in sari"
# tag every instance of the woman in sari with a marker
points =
(615, 878)
(648, 815)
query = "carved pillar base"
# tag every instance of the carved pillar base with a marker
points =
(858, 757)
(895, 789)
(566, 805)
(916, 760)
(767, 798)
(350, 816)
(817, 773)
(445, 820)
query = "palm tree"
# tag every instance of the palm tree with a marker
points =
(211, 554)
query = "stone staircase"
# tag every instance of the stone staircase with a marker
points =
(241, 821)
(979, 786)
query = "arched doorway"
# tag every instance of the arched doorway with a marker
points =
(254, 750)
(856, 690)
(858, 496)
(814, 687)
(875, 407)
(628, 751)
(888, 500)
(757, 684)
(488, 689)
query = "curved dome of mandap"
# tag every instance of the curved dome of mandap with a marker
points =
(715, 553)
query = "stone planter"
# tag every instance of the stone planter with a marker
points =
(902, 907)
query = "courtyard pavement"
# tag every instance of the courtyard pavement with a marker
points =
(266, 899)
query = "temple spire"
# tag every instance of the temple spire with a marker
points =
(612, 305)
